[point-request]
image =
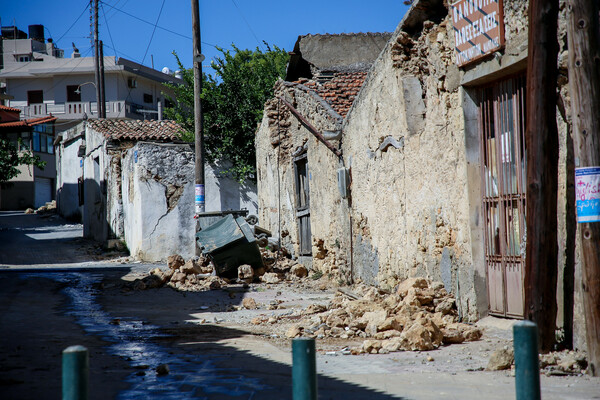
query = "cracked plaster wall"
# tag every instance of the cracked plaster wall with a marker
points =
(408, 202)
(158, 201)
(157, 196)
(418, 206)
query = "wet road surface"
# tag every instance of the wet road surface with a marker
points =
(52, 295)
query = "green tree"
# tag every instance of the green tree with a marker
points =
(11, 158)
(232, 104)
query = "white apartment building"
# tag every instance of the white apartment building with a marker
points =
(38, 80)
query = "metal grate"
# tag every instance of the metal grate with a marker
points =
(504, 176)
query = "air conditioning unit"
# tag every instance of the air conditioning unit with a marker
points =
(131, 83)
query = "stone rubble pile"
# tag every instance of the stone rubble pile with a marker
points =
(198, 273)
(566, 362)
(49, 207)
(420, 315)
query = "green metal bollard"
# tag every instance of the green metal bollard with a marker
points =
(304, 369)
(527, 366)
(75, 373)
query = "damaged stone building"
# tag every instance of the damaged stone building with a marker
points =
(132, 181)
(412, 163)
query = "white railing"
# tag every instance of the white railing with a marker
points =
(76, 110)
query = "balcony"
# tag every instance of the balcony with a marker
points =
(76, 110)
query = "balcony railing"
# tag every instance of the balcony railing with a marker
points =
(76, 110)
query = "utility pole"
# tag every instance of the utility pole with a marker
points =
(97, 61)
(102, 113)
(583, 35)
(198, 134)
(541, 261)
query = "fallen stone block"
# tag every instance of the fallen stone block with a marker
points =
(175, 261)
(501, 359)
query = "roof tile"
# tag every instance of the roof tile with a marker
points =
(341, 90)
(119, 129)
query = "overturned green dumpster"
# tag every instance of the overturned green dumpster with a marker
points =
(229, 242)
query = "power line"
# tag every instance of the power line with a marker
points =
(246, 21)
(152, 24)
(153, 30)
(123, 54)
(73, 24)
(115, 50)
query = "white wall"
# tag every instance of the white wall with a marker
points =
(158, 201)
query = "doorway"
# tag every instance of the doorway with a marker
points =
(303, 205)
(504, 177)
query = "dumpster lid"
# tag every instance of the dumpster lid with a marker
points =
(219, 234)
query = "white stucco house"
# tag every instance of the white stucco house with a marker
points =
(133, 180)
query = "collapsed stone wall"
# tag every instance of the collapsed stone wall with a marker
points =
(409, 200)
(279, 138)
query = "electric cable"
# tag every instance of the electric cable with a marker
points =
(115, 50)
(153, 31)
(246, 21)
(73, 24)
(159, 27)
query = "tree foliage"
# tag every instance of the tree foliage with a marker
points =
(11, 158)
(232, 104)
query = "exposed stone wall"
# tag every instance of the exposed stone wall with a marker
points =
(276, 144)
(411, 142)
(409, 209)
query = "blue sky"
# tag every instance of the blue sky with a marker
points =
(126, 26)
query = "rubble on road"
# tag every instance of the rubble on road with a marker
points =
(198, 273)
(501, 359)
(49, 207)
(420, 315)
(566, 362)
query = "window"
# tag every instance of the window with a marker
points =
(25, 140)
(12, 138)
(36, 141)
(23, 58)
(35, 97)
(131, 83)
(44, 143)
(43, 138)
(148, 98)
(50, 145)
(73, 93)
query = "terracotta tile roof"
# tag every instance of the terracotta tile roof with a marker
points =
(12, 109)
(119, 129)
(26, 122)
(340, 91)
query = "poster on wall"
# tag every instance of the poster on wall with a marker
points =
(478, 29)
(587, 193)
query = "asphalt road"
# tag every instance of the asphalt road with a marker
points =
(55, 293)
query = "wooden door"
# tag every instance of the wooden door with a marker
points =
(303, 205)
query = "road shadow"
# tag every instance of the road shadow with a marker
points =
(32, 239)
(148, 328)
